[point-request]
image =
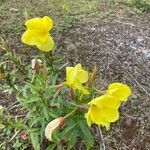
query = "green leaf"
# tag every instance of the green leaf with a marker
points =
(34, 89)
(72, 140)
(42, 129)
(85, 134)
(53, 113)
(2, 126)
(45, 112)
(51, 147)
(35, 141)
(31, 99)
(68, 129)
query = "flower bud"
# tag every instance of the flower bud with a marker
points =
(52, 126)
(26, 15)
(1, 109)
(72, 93)
(92, 77)
(45, 70)
(59, 87)
(2, 73)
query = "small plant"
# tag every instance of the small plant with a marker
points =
(61, 109)
(141, 5)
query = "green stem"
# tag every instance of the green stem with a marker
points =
(69, 114)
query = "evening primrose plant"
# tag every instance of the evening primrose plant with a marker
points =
(59, 111)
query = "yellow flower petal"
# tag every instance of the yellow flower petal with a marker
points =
(82, 76)
(96, 114)
(103, 110)
(107, 125)
(88, 117)
(44, 23)
(106, 101)
(69, 79)
(81, 88)
(47, 46)
(119, 90)
(110, 115)
(27, 38)
(48, 23)
(33, 37)
(75, 76)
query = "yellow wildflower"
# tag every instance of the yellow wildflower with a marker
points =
(103, 110)
(37, 33)
(75, 77)
(119, 90)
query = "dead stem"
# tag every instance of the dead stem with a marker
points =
(101, 136)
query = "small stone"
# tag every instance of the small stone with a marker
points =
(14, 10)
(146, 53)
(93, 29)
(140, 39)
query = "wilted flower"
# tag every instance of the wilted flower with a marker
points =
(75, 77)
(37, 33)
(119, 90)
(52, 126)
(36, 65)
(103, 110)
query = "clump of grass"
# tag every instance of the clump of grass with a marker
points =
(67, 13)
(142, 5)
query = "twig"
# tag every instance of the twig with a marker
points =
(102, 138)
(16, 133)
(13, 105)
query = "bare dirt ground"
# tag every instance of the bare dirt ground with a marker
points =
(119, 45)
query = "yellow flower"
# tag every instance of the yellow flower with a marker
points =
(119, 90)
(75, 77)
(37, 33)
(103, 110)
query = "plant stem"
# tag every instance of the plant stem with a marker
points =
(102, 138)
(69, 114)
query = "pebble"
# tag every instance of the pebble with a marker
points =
(14, 10)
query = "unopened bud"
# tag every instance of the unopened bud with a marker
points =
(26, 15)
(72, 93)
(2, 74)
(52, 126)
(45, 70)
(92, 77)
(59, 87)
(1, 110)
(65, 8)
